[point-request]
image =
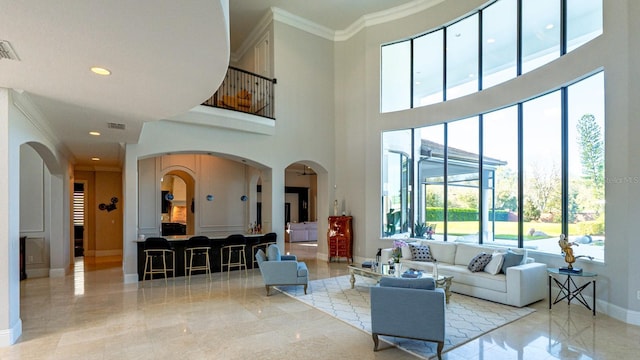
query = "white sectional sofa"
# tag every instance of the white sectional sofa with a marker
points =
(521, 285)
(304, 231)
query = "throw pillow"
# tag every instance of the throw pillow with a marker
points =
(406, 252)
(421, 253)
(511, 259)
(495, 265)
(479, 262)
(520, 251)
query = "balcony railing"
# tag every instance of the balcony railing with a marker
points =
(245, 92)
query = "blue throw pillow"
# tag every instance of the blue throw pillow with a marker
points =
(422, 283)
(511, 259)
(273, 253)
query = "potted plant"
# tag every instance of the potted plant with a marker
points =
(419, 230)
(396, 253)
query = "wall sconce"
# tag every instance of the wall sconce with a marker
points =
(209, 197)
(244, 198)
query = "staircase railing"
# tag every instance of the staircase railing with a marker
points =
(245, 92)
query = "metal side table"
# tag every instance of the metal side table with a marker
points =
(570, 290)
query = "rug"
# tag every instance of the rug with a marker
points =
(335, 297)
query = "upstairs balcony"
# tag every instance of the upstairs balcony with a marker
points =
(245, 92)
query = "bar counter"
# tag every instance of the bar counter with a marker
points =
(179, 241)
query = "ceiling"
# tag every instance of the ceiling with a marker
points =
(152, 47)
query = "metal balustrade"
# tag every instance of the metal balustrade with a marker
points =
(245, 92)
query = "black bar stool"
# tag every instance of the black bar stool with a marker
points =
(234, 244)
(267, 239)
(198, 247)
(156, 248)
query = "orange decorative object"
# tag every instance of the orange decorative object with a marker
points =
(340, 237)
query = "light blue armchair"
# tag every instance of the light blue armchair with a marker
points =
(279, 269)
(408, 308)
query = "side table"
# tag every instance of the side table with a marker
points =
(569, 290)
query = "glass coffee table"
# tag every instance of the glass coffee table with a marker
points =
(443, 281)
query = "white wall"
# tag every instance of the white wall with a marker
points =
(34, 209)
(358, 62)
(21, 123)
(303, 133)
(224, 179)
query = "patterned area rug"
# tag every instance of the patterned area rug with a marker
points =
(466, 317)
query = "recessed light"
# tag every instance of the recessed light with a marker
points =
(95, 158)
(491, 40)
(94, 133)
(549, 26)
(101, 71)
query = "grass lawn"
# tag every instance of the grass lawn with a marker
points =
(507, 229)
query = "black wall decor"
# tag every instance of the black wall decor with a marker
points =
(109, 207)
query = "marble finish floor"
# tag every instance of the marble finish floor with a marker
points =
(92, 314)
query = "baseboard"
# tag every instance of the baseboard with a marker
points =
(57, 273)
(100, 253)
(633, 317)
(604, 307)
(9, 337)
(625, 315)
(130, 278)
(37, 273)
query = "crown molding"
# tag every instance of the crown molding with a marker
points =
(303, 24)
(384, 16)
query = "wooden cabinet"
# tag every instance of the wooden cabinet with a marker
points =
(340, 238)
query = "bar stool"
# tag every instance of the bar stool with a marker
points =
(156, 248)
(198, 247)
(234, 244)
(267, 239)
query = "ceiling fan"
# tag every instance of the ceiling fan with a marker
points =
(304, 171)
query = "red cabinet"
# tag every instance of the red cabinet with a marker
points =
(340, 238)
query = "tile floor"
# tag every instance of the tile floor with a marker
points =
(91, 314)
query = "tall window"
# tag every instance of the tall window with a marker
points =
(586, 165)
(469, 172)
(500, 170)
(499, 42)
(540, 33)
(396, 198)
(395, 82)
(427, 69)
(462, 58)
(542, 169)
(431, 182)
(78, 204)
(453, 50)
(584, 21)
(463, 179)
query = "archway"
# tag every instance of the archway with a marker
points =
(301, 204)
(178, 203)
